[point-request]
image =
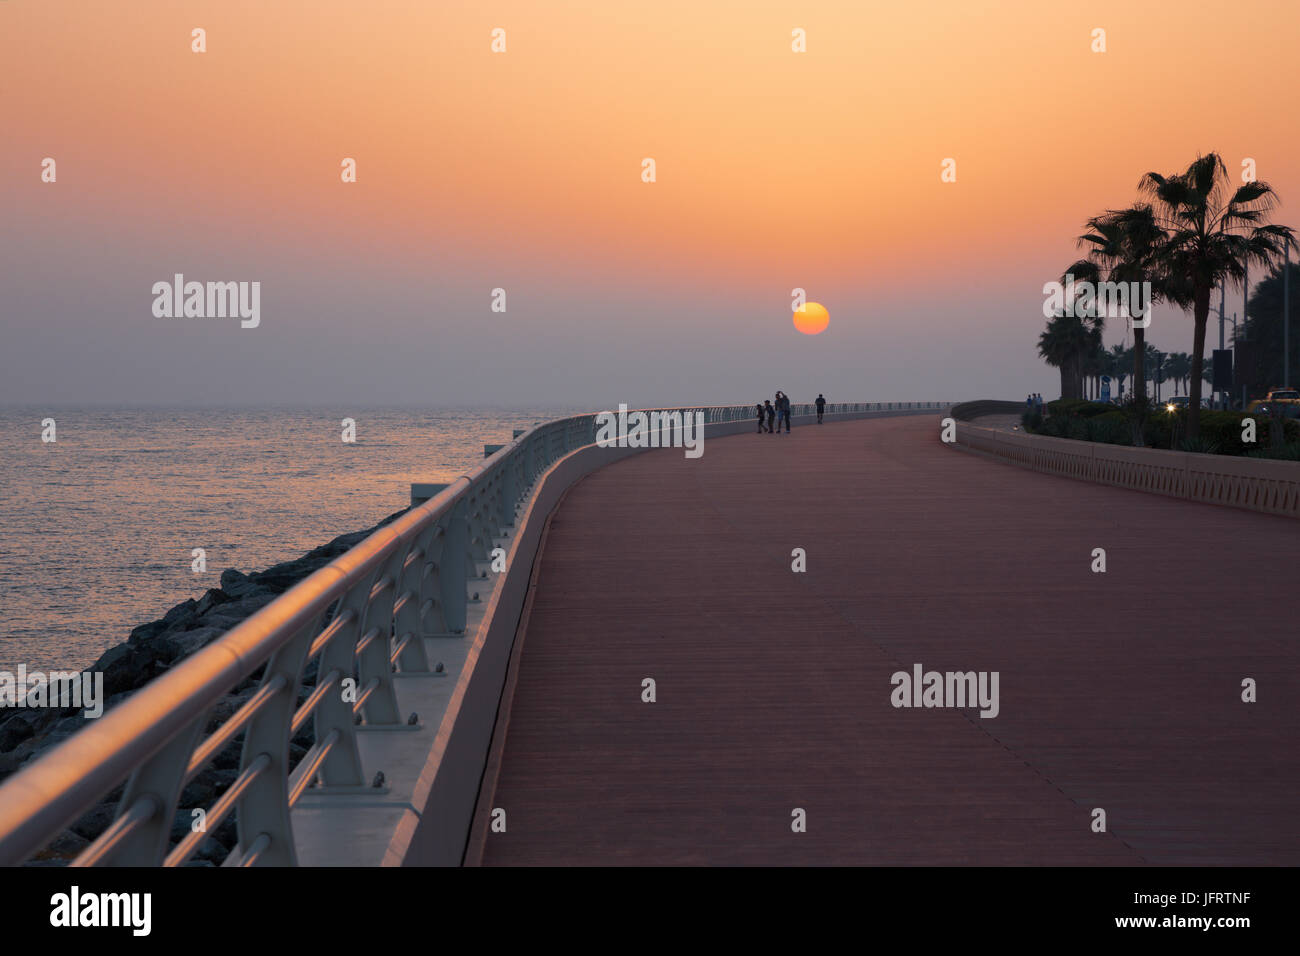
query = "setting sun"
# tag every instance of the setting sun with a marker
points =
(812, 319)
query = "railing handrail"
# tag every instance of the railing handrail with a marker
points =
(151, 737)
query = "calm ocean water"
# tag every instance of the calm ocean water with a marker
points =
(96, 529)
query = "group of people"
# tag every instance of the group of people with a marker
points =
(778, 410)
(1034, 403)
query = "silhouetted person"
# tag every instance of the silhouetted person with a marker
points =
(821, 407)
(782, 411)
(771, 414)
(761, 415)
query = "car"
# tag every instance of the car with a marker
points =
(1284, 400)
(1178, 403)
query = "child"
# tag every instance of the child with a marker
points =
(761, 415)
(771, 414)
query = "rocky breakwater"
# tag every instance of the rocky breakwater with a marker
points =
(27, 733)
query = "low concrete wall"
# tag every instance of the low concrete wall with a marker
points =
(434, 829)
(1272, 487)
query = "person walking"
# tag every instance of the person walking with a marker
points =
(761, 415)
(771, 414)
(782, 411)
(821, 407)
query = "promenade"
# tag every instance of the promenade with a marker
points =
(1119, 690)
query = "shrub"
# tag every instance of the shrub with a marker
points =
(1112, 428)
(1031, 421)
(1285, 453)
(1201, 445)
(1157, 431)
(1081, 407)
(1224, 429)
(1054, 427)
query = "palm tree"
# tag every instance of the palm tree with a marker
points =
(1092, 366)
(1152, 365)
(1178, 366)
(1123, 247)
(1122, 360)
(1208, 237)
(1064, 344)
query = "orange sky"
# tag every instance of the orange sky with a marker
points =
(775, 169)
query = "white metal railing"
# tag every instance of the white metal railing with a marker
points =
(362, 618)
(1256, 484)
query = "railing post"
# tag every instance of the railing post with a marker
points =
(160, 780)
(342, 764)
(411, 614)
(510, 490)
(263, 810)
(373, 663)
(454, 567)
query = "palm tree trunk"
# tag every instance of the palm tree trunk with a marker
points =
(1201, 315)
(1139, 362)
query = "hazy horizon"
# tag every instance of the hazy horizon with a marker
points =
(522, 171)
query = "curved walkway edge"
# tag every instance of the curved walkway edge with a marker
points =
(773, 737)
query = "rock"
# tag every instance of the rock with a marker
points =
(197, 794)
(225, 708)
(65, 846)
(146, 632)
(231, 613)
(235, 584)
(126, 667)
(21, 725)
(211, 852)
(183, 822)
(182, 645)
(94, 821)
(211, 599)
(115, 699)
(228, 757)
(185, 611)
(9, 763)
(203, 790)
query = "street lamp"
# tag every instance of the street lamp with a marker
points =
(1286, 317)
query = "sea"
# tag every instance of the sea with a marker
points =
(98, 527)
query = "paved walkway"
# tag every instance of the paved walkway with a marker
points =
(1118, 690)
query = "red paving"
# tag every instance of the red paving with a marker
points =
(1118, 690)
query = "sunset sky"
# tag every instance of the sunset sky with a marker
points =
(522, 170)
